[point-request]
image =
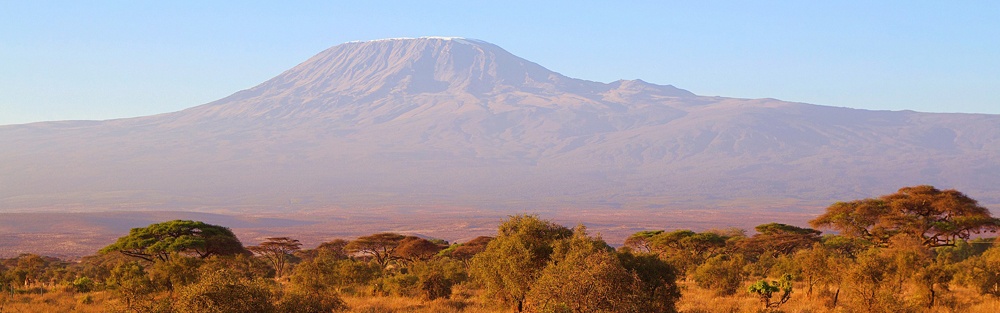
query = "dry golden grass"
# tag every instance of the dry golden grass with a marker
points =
(697, 300)
(54, 301)
(463, 300)
(694, 300)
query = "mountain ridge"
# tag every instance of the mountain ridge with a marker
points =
(465, 123)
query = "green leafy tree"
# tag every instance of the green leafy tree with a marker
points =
(513, 261)
(938, 217)
(132, 287)
(179, 237)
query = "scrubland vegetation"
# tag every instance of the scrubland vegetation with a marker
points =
(912, 251)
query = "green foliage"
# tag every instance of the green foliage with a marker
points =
(642, 241)
(83, 284)
(656, 288)
(512, 261)
(300, 300)
(685, 249)
(586, 275)
(132, 288)
(983, 272)
(225, 291)
(765, 291)
(400, 284)
(872, 285)
(162, 240)
(175, 272)
(29, 268)
(722, 273)
(331, 272)
(241, 264)
(437, 276)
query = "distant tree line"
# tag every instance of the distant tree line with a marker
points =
(896, 253)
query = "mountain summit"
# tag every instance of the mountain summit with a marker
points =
(357, 73)
(463, 123)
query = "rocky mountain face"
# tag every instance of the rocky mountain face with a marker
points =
(461, 122)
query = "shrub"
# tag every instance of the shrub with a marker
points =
(721, 273)
(83, 284)
(223, 291)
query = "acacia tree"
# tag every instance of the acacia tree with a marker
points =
(466, 251)
(414, 248)
(684, 249)
(160, 241)
(777, 239)
(276, 250)
(938, 217)
(380, 246)
(642, 241)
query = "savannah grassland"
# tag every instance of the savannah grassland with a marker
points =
(911, 251)
(693, 299)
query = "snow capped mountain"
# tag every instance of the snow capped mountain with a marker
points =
(462, 122)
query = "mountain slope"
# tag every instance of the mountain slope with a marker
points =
(461, 122)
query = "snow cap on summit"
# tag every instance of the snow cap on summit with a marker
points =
(456, 39)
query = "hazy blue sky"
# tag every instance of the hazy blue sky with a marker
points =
(108, 59)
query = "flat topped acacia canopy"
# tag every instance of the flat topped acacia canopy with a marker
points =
(161, 240)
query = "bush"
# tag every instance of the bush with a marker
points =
(223, 291)
(721, 273)
(83, 284)
(311, 301)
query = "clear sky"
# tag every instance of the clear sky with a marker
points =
(108, 59)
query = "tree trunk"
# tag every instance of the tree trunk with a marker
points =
(836, 296)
